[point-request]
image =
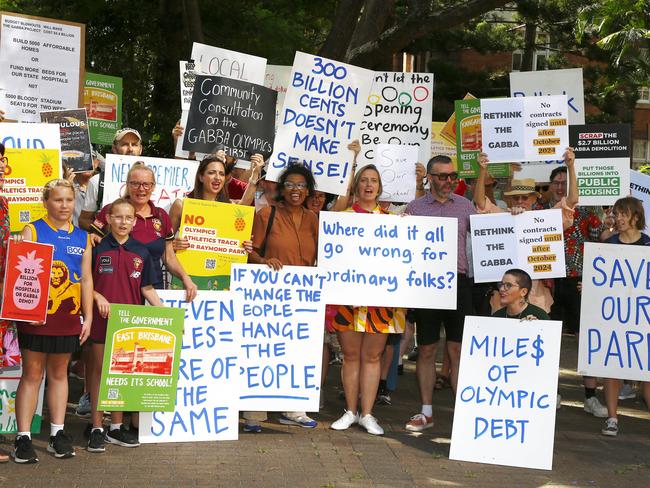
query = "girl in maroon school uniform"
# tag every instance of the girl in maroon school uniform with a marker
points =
(123, 272)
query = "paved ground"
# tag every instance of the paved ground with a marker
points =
(294, 457)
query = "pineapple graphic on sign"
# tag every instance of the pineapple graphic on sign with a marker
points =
(46, 165)
(27, 288)
(240, 223)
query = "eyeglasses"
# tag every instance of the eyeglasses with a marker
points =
(445, 176)
(295, 186)
(137, 184)
(506, 285)
(123, 218)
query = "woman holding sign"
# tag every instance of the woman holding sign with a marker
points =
(363, 331)
(48, 346)
(630, 222)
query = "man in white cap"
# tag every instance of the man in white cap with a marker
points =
(127, 142)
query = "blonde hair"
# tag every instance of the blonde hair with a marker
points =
(138, 165)
(56, 183)
(121, 201)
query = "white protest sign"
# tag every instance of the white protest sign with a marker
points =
(9, 379)
(30, 136)
(398, 111)
(280, 325)
(174, 178)
(524, 128)
(388, 260)
(552, 82)
(186, 83)
(216, 61)
(640, 188)
(179, 153)
(41, 65)
(615, 312)
(540, 171)
(321, 116)
(532, 241)
(278, 78)
(207, 390)
(396, 165)
(506, 395)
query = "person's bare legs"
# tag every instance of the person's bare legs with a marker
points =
(351, 345)
(454, 359)
(645, 388)
(33, 364)
(386, 360)
(611, 386)
(325, 366)
(426, 371)
(57, 386)
(409, 332)
(372, 346)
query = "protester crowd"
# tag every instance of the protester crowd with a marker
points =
(285, 232)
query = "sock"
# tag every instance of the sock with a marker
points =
(97, 428)
(115, 426)
(590, 392)
(54, 428)
(27, 434)
(382, 385)
(427, 410)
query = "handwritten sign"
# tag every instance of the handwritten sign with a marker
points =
(41, 65)
(322, 109)
(532, 241)
(174, 178)
(552, 82)
(9, 379)
(396, 165)
(615, 314)
(388, 260)
(235, 114)
(602, 162)
(26, 173)
(524, 128)
(30, 136)
(141, 358)
(398, 112)
(281, 337)
(103, 102)
(278, 78)
(27, 281)
(215, 232)
(506, 396)
(207, 391)
(640, 188)
(75, 138)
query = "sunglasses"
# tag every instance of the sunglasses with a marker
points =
(445, 176)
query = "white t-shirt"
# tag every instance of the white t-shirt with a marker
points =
(92, 190)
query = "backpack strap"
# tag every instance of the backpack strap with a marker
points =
(268, 231)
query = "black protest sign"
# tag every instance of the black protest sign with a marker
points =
(600, 140)
(235, 114)
(76, 152)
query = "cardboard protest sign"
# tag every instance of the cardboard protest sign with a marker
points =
(441, 146)
(506, 395)
(468, 139)
(30, 136)
(388, 260)
(141, 358)
(41, 65)
(26, 173)
(524, 128)
(448, 130)
(640, 188)
(602, 162)
(207, 391)
(76, 151)
(27, 281)
(103, 102)
(322, 111)
(281, 320)
(237, 115)
(9, 379)
(396, 165)
(174, 178)
(614, 314)
(215, 232)
(278, 78)
(532, 241)
(188, 75)
(398, 112)
(552, 82)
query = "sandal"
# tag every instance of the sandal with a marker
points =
(442, 382)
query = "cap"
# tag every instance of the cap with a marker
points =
(122, 132)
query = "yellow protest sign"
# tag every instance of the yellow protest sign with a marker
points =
(27, 172)
(215, 232)
(440, 145)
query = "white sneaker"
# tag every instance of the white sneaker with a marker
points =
(369, 423)
(346, 420)
(595, 408)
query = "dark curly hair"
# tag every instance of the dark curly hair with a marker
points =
(296, 169)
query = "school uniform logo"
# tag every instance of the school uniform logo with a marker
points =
(105, 260)
(137, 265)
(157, 226)
(105, 269)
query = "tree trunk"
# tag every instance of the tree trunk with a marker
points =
(343, 26)
(530, 47)
(194, 24)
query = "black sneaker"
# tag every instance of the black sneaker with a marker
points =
(87, 429)
(122, 437)
(24, 451)
(61, 445)
(96, 442)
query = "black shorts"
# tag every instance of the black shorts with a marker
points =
(428, 321)
(566, 304)
(49, 344)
